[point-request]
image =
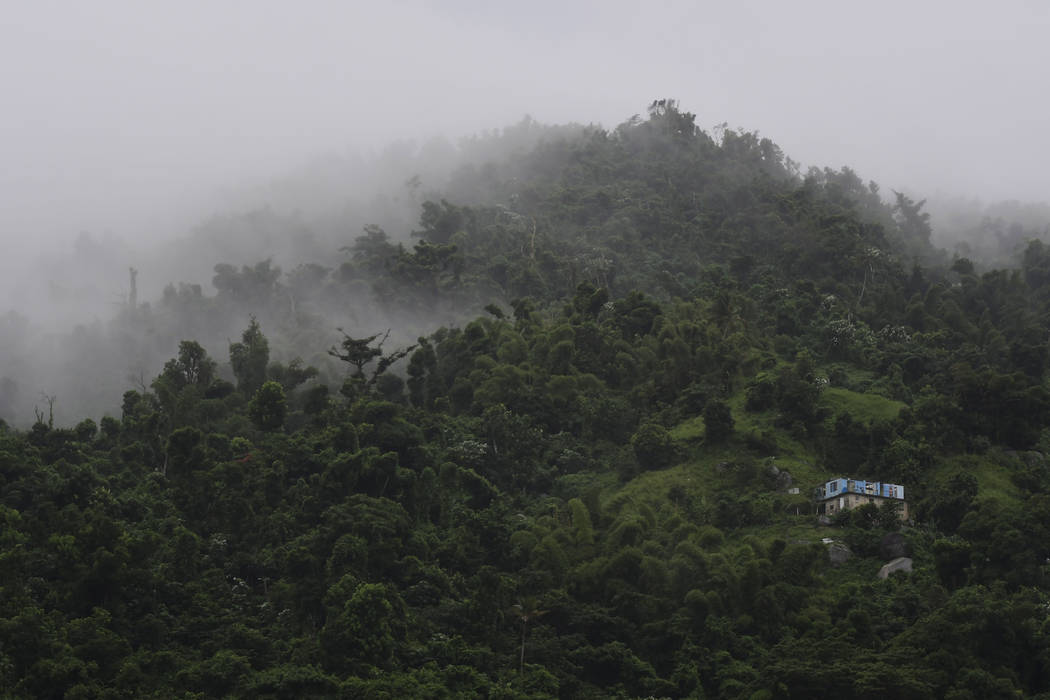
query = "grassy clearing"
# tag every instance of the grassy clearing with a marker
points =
(864, 408)
(753, 430)
(697, 477)
(690, 430)
(652, 488)
(851, 375)
(572, 485)
(992, 471)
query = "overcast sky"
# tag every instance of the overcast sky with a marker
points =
(114, 115)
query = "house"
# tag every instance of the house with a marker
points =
(842, 494)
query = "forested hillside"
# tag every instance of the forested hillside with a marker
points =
(548, 445)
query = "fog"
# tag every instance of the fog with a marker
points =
(128, 125)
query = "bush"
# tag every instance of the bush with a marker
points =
(653, 446)
(718, 422)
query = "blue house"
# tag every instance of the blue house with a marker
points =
(843, 494)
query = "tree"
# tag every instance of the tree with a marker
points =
(192, 367)
(653, 446)
(664, 114)
(441, 221)
(255, 285)
(292, 375)
(268, 407)
(366, 630)
(951, 500)
(249, 358)
(798, 395)
(525, 610)
(372, 251)
(180, 387)
(718, 421)
(360, 353)
(912, 221)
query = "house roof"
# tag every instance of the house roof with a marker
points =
(842, 486)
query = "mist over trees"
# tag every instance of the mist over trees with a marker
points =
(302, 225)
(992, 235)
(539, 415)
(290, 227)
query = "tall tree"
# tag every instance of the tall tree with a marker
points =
(249, 358)
(360, 353)
(192, 367)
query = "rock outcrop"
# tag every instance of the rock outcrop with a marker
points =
(839, 554)
(898, 564)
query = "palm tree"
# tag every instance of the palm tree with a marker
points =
(526, 609)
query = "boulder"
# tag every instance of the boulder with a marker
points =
(839, 554)
(898, 564)
(893, 546)
(1033, 458)
(784, 480)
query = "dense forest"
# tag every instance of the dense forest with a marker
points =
(560, 439)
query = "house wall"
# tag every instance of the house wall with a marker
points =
(851, 500)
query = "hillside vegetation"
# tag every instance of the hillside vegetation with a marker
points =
(580, 485)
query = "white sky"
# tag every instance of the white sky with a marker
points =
(114, 115)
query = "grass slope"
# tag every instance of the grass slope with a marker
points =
(863, 408)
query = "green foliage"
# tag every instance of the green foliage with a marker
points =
(192, 367)
(718, 422)
(249, 358)
(366, 352)
(268, 407)
(365, 629)
(950, 500)
(653, 446)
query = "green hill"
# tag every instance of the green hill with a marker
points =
(583, 485)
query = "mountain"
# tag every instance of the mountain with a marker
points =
(580, 463)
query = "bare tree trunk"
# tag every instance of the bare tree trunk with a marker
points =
(133, 293)
(521, 665)
(863, 286)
